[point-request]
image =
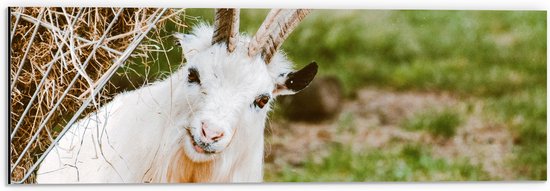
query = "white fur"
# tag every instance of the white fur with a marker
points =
(134, 137)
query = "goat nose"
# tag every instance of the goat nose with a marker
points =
(211, 134)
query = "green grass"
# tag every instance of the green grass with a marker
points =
(437, 123)
(498, 57)
(525, 112)
(409, 163)
(481, 53)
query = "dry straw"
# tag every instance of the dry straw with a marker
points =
(61, 60)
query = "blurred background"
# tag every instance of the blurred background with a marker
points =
(400, 95)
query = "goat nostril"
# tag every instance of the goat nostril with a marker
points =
(210, 135)
(203, 127)
(217, 137)
(203, 132)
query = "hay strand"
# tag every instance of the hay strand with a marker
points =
(61, 61)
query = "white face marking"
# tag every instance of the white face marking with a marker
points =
(224, 93)
(222, 105)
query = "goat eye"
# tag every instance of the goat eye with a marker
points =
(261, 100)
(193, 76)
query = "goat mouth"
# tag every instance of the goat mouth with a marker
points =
(199, 148)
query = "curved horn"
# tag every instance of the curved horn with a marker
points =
(278, 24)
(226, 27)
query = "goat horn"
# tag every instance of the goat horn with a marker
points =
(278, 24)
(226, 27)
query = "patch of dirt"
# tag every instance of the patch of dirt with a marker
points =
(372, 121)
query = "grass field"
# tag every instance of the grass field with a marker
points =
(497, 58)
(492, 64)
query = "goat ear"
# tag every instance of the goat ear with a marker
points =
(297, 80)
(190, 44)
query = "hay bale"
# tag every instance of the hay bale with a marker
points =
(49, 48)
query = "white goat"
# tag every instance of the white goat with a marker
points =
(204, 123)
